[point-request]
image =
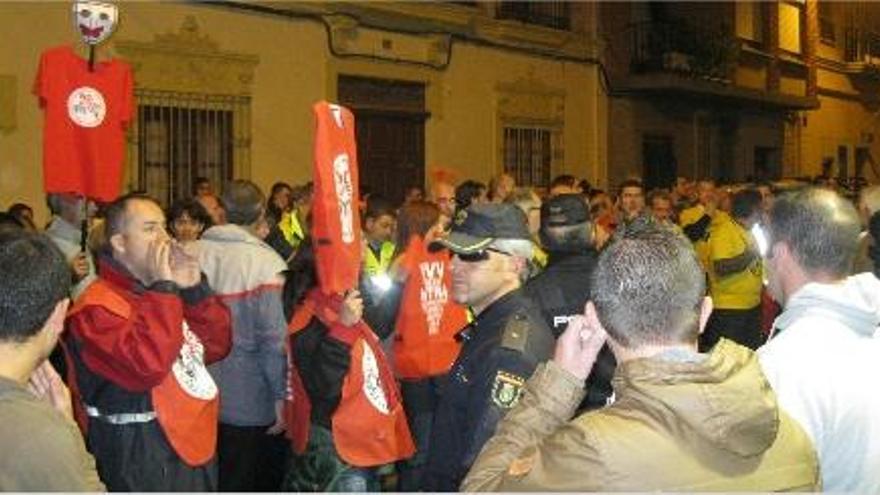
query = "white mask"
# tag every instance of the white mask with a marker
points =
(94, 21)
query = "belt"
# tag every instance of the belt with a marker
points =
(120, 418)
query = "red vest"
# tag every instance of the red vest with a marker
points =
(428, 320)
(369, 425)
(186, 402)
(336, 228)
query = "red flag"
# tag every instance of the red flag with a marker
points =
(336, 227)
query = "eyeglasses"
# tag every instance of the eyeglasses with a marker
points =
(478, 256)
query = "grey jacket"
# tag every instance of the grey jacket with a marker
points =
(248, 276)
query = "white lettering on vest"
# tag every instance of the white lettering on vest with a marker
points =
(345, 195)
(433, 294)
(562, 320)
(336, 111)
(372, 382)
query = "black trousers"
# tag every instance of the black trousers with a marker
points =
(250, 460)
(137, 458)
(420, 400)
(742, 326)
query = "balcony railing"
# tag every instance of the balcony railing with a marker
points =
(556, 15)
(680, 48)
(862, 46)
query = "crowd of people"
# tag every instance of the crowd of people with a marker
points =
(696, 338)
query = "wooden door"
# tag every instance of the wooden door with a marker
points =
(390, 130)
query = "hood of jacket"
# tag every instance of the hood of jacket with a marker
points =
(854, 302)
(721, 398)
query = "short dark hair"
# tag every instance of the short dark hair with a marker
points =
(199, 181)
(18, 208)
(35, 278)
(820, 227)
(192, 208)
(745, 203)
(630, 183)
(243, 201)
(116, 214)
(659, 194)
(302, 192)
(563, 180)
(648, 286)
(466, 192)
(278, 186)
(378, 206)
(9, 221)
(567, 238)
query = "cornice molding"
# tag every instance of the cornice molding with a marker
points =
(188, 61)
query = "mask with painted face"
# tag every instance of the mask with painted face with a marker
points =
(95, 21)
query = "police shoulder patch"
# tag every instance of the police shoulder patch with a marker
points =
(516, 333)
(507, 389)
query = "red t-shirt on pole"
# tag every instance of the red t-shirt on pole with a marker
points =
(86, 114)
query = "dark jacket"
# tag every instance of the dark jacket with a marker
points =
(500, 351)
(322, 363)
(561, 292)
(563, 288)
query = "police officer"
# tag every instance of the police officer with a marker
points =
(500, 348)
(561, 291)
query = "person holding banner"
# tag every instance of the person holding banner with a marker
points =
(344, 414)
(138, 341)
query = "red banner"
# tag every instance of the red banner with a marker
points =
(336, 226)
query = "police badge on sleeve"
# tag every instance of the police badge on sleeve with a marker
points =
(507, 389)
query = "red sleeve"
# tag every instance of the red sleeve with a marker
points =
(41, 83)
(134, 353)
(210, 320)
(126, 98)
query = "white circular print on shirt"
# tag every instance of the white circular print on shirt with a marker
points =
(189, 368)
(372, 382)
(86, 107)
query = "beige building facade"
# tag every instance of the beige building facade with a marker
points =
(226, 91)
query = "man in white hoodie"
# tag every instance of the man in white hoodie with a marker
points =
(823, 360)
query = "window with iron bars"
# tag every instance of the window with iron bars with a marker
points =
(181, 136)
(528, 154)
(556, 15)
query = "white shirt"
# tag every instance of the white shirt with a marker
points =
(824, 365)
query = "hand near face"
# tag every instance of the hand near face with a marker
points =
(184, 260)
(158, 260)
(48, 386)
(578, 346)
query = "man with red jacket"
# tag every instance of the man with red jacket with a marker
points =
(139, 339)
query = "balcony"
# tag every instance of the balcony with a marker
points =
(684, 50)
(675, 60)
(554, 15)
(862, 47)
